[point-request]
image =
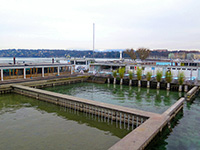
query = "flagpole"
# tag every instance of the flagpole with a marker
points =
(93, 39)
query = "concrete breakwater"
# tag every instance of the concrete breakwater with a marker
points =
(6, 89)
(142, 136)
(190, 94)
(146, 125)
(132, 117)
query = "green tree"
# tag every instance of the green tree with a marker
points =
(139, 76)
(181, 78)
(121, 74)
(168, 78)
(148, 75)
(114, 73)
(130, 77)
(158, 78)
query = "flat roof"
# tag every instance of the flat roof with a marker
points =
(20, 65)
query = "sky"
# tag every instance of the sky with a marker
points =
(68, 24)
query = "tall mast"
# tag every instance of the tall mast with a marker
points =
(93, 39)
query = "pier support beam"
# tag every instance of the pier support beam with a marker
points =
(185, 88)
(58, 70)
(24, 73)
(42, 71)
(72, 69)
(1, 74)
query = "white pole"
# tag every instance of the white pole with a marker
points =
(58, 70)
(93, 39)
(1, 74)
(42, 71)
(24, 73)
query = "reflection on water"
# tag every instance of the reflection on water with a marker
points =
(129, 96)
(27, 123)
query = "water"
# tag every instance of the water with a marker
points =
(184, 136)
(140, 98)
(27, 123)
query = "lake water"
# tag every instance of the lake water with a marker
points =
(140, 98)
(27, 123)
(184, 136)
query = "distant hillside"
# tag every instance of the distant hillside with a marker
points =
(110, 53)
(58, 53)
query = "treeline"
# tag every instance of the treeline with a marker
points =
(57, 53)
(77, 53)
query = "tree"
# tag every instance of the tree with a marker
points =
(181, 78)
(158, 78)
(114, 75)
(149, 74)
(130, 77)
(131, 53)
(139, 76)
(143, 53)
(168, 78)
(121, 74)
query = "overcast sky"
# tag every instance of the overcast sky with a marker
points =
(68, 24)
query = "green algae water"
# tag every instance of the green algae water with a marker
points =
(140, 98)
(27, 123)
(184, 136)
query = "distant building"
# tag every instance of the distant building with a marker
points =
(171, 56)
(190, 56)
(197, 56)
(179, 55)
(193, 56)
(160, 50)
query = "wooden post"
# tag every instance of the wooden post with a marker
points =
(36, 71)
(48, 71)
(17, 72)
(31, 72)
(10, 73)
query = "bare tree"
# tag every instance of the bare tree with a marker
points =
(143, 53)
(131, 53)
